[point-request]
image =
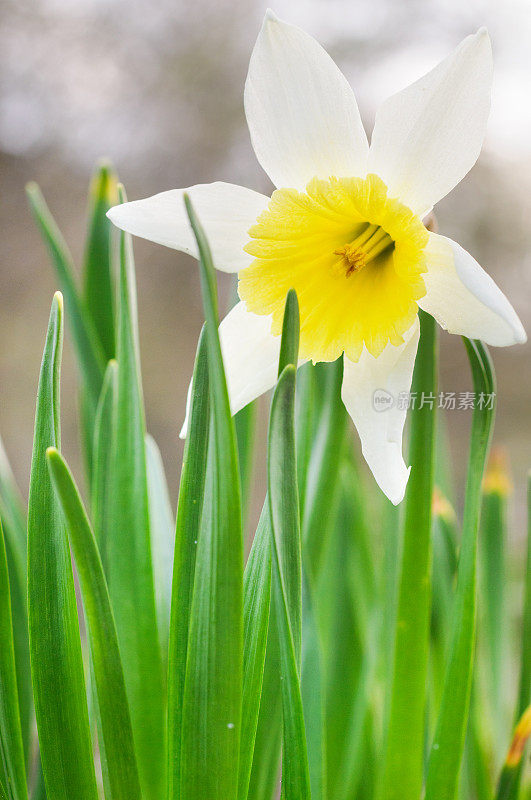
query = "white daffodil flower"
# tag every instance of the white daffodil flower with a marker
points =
(344, 229)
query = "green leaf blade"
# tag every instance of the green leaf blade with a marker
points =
(104, 442)
(267, 744)
(189, 510)
(353, 643)
(11, 744)
(525, 668)
(448, 743)
(87, 346)
(524, 693)
(286, 582)
(286, 557)
(107, 665)
(404, 751)
(13, 518)
(213, 685)
(88, 350)
(493, 582)
(55, 646)
(322, 477)
(98, 279)
(282, 473)
(245, 424)
(256, 606)
(128, 549)
(289, 343)
(312, 690)
(12, 507)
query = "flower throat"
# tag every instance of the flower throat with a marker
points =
(371, 243)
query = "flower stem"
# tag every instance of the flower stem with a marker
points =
(403, 760)
(448, 743)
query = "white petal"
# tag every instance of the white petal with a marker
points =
(302, 114)
(162, 528)
(464, 299)
(250, 356)
(427, 137)
(226, 212)
(381, 424)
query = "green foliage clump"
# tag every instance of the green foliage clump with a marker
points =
(350, 657)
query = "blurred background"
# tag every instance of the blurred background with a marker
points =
(157, 86)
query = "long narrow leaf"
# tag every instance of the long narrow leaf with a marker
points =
(493, 578)
(404, 750)
(525, 669)
(55, 646)
(19, 616)
(11, 505)
(306, 415)
(512, 779)
(98, 279)
(211, 727)
(322, 477)
(313, 690)
(113, 708)
(282, 474)
(104, 442)
(391, 516)
(266, 757)
(256, 605)
(286, 556)
(11, 745)
(284, 504)
(15, 527)
(445, 559)
(351, 629)
(189, 511)
(448, 743)
(89, 352)
(345, 612)
(97, 298)
(128, 548)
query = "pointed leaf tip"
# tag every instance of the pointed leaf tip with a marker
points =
(32, 188)
(104, 164)
(289, 347)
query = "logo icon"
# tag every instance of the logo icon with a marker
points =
(382, 400)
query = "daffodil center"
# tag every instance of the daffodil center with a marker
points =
(355, 256)
(368, 245)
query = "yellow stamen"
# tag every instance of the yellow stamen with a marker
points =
(364, 249)
(354, 259)
(354, 256)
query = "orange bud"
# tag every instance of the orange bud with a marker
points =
(497, 478)
(521, 735)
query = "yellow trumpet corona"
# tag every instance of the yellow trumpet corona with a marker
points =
(355, 257)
